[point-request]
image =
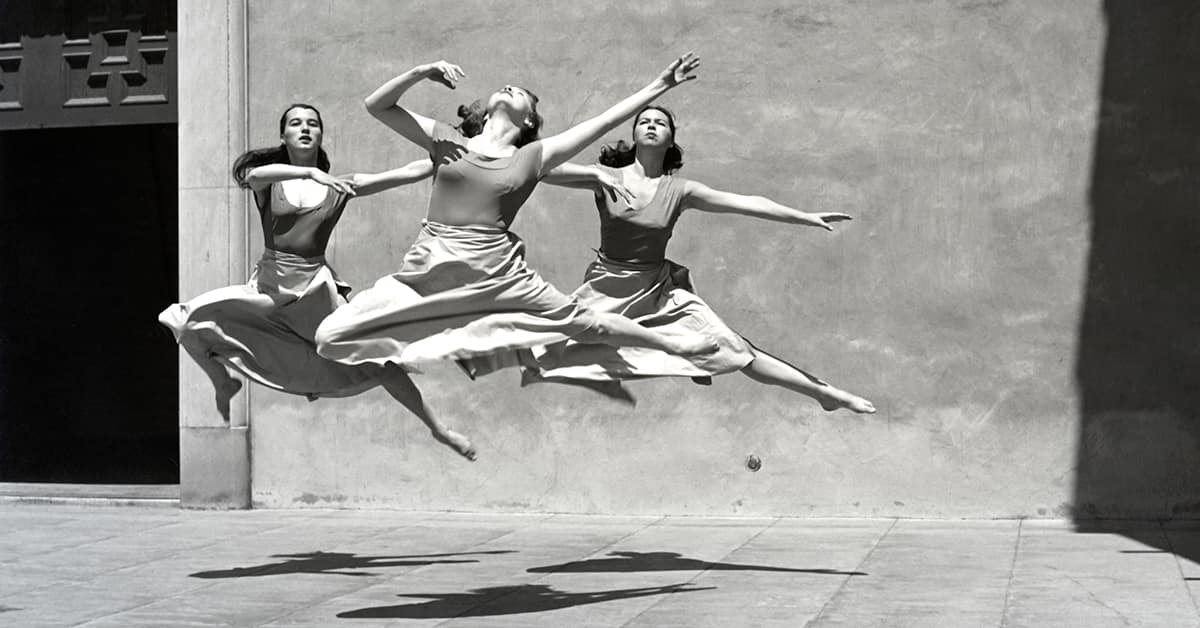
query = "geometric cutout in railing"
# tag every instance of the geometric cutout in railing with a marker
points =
(133, 78)
(150, 85)
(115, 39)
(10, 66)
(77, 60)
(79, 82)
(154, 56)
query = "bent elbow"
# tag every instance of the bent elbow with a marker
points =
(373, 106)
(253, 182)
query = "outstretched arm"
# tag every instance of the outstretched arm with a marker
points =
(366, 184)
(704, 198)
(414, 127)
(559, 148)
(571, 175)
(260, 178)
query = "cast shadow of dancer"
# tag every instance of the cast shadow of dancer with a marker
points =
(337, 563)
(1138, 360)
(508, 600)
(667, 561)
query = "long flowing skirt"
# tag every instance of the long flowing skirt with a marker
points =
(659, 296)
(265, 329)
(462, 293)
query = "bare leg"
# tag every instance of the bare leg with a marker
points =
(401, 387)
(769, 369)
(614, 329)
(225, 385)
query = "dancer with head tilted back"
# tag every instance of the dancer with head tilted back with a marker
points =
(463, 291)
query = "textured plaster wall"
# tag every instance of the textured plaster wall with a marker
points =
(958, 133)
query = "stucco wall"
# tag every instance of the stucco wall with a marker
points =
(958, 133)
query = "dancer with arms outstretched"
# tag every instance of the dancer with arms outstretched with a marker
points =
(632, 276)
(464, 291)
(265, 330)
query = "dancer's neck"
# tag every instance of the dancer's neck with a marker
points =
(498, 138)
(304, 158)
(648, 162)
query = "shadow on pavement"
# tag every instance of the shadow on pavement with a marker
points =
(667, 561)
(337, 563)
(508, 600)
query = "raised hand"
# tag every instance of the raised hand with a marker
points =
(680, 70)
(445, 73)
(345, 185)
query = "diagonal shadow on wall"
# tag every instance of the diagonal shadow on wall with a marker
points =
(1138, 361)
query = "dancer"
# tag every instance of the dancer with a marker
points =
(265, 329)
(464, 291)
(632, 276)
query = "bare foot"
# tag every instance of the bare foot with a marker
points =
(688, 346)
(225, 393)
(835, 399)
(455, 441)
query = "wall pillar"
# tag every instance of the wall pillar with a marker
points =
(214, 456)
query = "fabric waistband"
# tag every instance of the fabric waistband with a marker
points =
(291, 258)
(451, 231)
(629, 264)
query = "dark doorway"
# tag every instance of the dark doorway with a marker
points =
(88, 378)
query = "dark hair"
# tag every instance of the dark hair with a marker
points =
(529, 132)
(621, 154)
(475, 115)
(256, 157)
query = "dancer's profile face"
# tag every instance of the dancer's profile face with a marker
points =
(653, 128)
(302, 129)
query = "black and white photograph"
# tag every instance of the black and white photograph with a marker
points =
(607, 313)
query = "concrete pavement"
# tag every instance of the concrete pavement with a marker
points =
(92, 565)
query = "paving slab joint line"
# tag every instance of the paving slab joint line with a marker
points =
(502, 596)
(1012, 569)
(169, 556)
(430, 517)
(328, 598)
(703, 571)
(858, 567)
(85, 544)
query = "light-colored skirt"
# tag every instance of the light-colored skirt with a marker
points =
(659, 296)
(265, 329)
(462, 293)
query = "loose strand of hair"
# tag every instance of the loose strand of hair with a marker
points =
(617, 155)
(256, 157)
(474, 116)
